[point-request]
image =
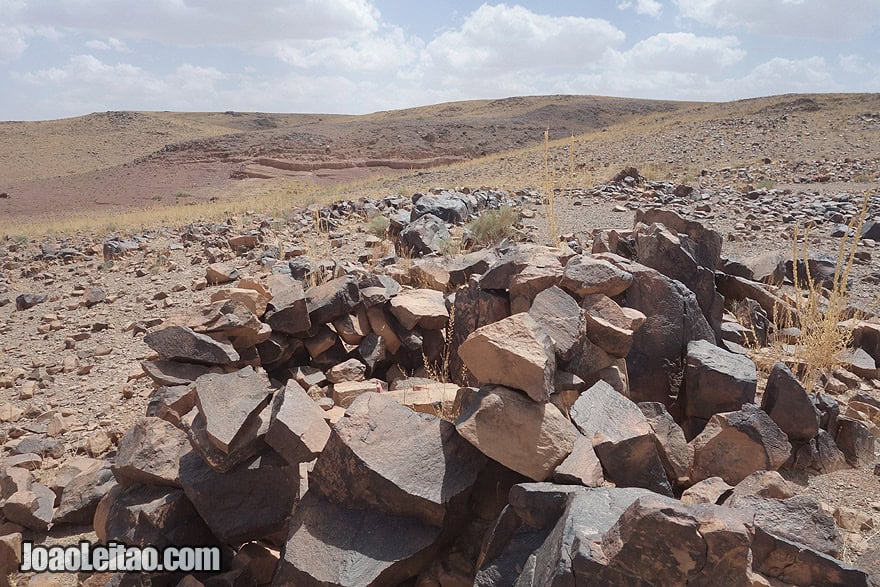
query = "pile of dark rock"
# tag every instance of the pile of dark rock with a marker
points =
(515, 415)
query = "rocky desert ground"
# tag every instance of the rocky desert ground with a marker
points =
(432, 347)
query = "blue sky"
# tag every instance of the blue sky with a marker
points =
(63, 58)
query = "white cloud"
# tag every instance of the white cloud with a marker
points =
(512, 38)
(200, 22)
(684, 52)
(783, 76)
(384, 50)
(647, 7)
(12, 43)
(111, 44)
(832, 19)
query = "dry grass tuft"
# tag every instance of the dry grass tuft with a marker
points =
(494, 225)
(819, 311)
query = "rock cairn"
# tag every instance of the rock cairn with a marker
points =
(515, 415)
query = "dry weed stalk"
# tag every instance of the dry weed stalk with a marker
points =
(549, 192)
(819, 311)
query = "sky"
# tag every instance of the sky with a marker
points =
(61, 58)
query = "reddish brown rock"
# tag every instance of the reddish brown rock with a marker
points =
(425, 308)
(586, 275)
(384, 457)
(149, 453)
(249, 502)
(716, 380)
(581, 467)
(183, 344)
(622, 438)
(505, 425)
(515, 352)
(297, 430)
(228, 401)
(561, 318)
(712, 491)
(787, 403)
(736, 444)
(288, 311)
(81, 496)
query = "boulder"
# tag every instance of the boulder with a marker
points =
(434, 398)
(820, 455)
(350, 370)
(671, 443)
(561, 318)
(255, 301)
(659, 541)
(515, 352)
(581, 467)
(424, 236)
(610, 326)
(384, 457)
(793, 563)
(855, 441)
(425, 308)
(787, 403)
(149, 453)
(330, 544)
(716, 380)
(712, 491)
(528, 437)
(678, 256)
(172, 373)
(736, 444)
(445, 206)
(383, 325)
(249, 502)
(613, 536)
(377, 289)
(800, 518)
(352, 328)
(514, 260)
(622, 438)
(218, 273)
(346, 392)
(180, 343)
(472, 308)
(530, 282)
(288, 311)
(32, 508)
(297, 430)
(461, 267)
(153, 515)
(81, 496)
(228, 401)
(659, 350)
(737, 288)
(769, 484)
(172, 403)
(585, 275)
(26, 301)
(705, 242)
(332, 300)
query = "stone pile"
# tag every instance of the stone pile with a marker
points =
(515, 415)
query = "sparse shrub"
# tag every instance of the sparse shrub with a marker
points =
(378, 226)
(765, 184)
(493, 226)
(820, 311)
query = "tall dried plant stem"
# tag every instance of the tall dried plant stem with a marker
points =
(548, 190)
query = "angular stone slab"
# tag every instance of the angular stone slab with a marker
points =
(505, 425)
